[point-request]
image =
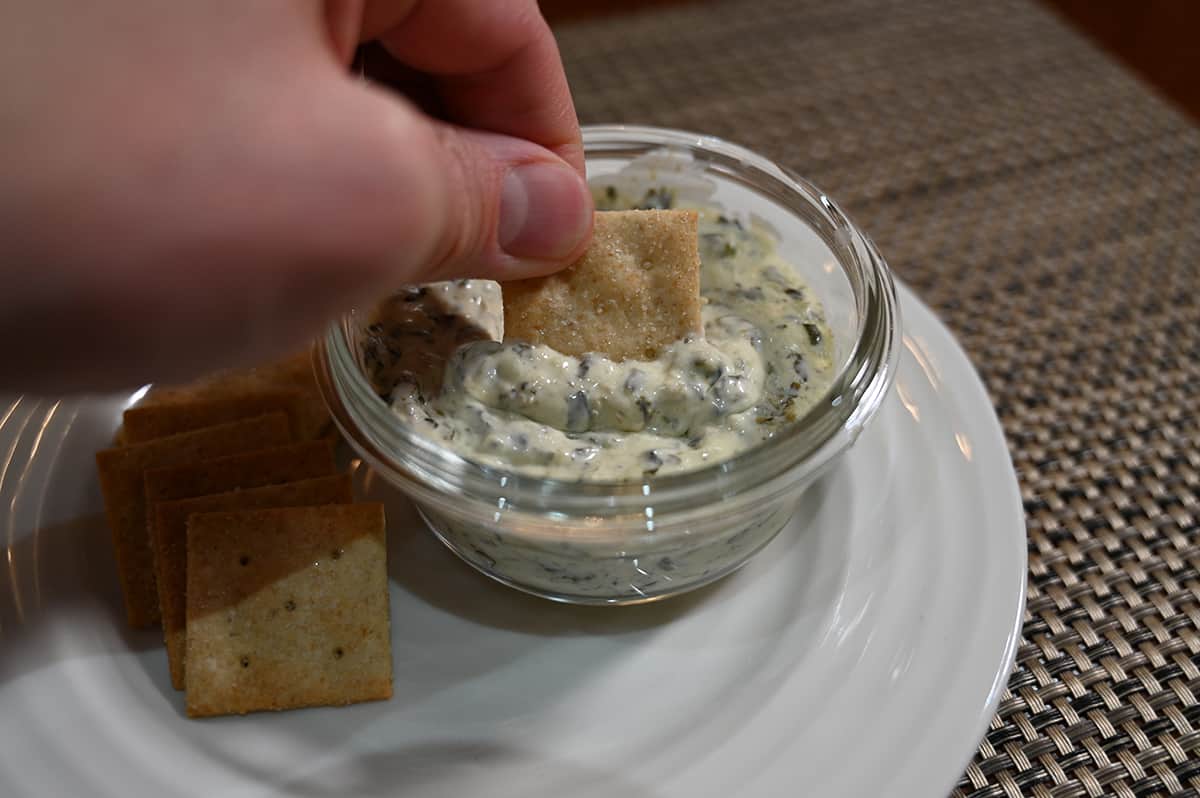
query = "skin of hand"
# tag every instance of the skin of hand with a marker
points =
(189, 186)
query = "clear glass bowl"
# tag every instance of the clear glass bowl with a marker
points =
(623, 543)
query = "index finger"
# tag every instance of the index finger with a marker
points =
(496, 63)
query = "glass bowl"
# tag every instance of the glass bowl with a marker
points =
(631, 542)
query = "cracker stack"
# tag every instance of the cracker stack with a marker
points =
(232, 528)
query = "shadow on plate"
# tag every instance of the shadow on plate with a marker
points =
(506, 656)
(423, 567)
(459, 768)
(63, 577)
(63, 573)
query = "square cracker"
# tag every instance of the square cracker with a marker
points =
(121, 481)
(635, 290)
(168, 529)
(273, 466)
(287, 608)
(292, 373)
(157, 420)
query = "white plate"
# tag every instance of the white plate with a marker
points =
(861, 654)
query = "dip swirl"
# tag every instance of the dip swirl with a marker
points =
(766, 357)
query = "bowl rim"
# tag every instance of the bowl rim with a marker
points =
(425, 469)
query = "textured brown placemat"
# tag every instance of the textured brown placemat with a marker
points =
(1047, 205)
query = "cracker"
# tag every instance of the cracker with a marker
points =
(157, 420)
(635, 290)
(250, 470)
(292, 373)
(121, 481)
(168, 529)
(287, 608)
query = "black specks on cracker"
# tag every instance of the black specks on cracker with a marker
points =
(340, 605)
(168, 529)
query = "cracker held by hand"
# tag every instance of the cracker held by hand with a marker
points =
(635, 290)
(287, 608)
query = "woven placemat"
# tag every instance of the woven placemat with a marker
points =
(1047, 205)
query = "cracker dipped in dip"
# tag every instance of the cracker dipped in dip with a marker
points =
(680, 339)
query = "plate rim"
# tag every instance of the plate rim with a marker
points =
(910, 301)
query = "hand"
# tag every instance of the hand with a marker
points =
(195, 185)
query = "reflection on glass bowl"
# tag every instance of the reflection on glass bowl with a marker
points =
(630, 542)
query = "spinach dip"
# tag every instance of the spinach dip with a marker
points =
(766, 356)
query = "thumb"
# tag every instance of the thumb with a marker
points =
(444, 201)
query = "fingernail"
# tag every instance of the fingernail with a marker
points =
(544, 211)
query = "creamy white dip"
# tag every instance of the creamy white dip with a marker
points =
(436, 352)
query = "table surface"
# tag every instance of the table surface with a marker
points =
(1047, 205)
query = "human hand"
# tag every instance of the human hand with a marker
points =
(194, 185)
